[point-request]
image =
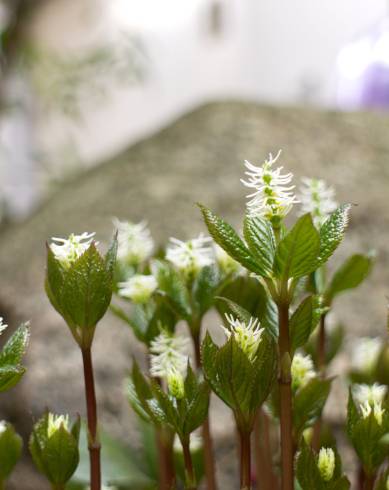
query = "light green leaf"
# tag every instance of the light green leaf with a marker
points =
(60, 456)
(350, 275)
(11, 445)
(332, 233)
(296, 254)
(15, 347)
(260, 238)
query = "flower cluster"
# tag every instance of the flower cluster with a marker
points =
(273, 197)
(68, 250)
(135, 244)
(169, 361)
(139, 288)
(247, 335)
(326, 463)
(365, 354)
(372, 394)
(317, 198)
(302, 370)
(192, 255)
(55, 422)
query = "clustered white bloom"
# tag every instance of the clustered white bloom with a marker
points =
(302, 370)
(366, 409)
(169, 361)
(372, 394)
(226, 263)
(54, 422)
(135, 244)
(3, 326)
(247, 335)
(365, 353)
(192, 255)
(3, 426)
(318, 199)
(138, 288)
(326, 463)
(69, 250)
(273, 197)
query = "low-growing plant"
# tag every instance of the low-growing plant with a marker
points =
(276, 298)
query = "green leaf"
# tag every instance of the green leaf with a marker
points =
(308, 403)
(197, 410)
(260, 238)
(110, 256)
(54, 280)
(11, 445)
(87, 289)
(204, 288)
(173, 286)
(241, 313)
(307, 472)
(16, 346)
(225, 236)
(301, 324)
(296, 254)
(332, 233)
(350, 275)
(10, 376)
(60, 456)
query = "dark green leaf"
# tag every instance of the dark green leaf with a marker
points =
(10, 376)
(204, 288)
(197, 409)
(301, 324)
(307, 472)
(16, 346)
(296, 254)
(60, 456)
(10, 451)
(225, 236)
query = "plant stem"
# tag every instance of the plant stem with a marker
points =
(321, 364)
(245, 460)
(190, 480)
(369, 482)
(54, 487)
(266, 479)
(165, 459)
(209, 461)
(91, 407)
(285, 388)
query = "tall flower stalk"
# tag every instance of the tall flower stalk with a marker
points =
(79, 284)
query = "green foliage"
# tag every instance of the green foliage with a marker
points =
(349, 276)
(243, 383)
(332, 233)
(82, 293)
(367, 435)
(308, 403)
(296, 254)
(225, 236)
(11, 370)
(333, 342)
(309, 476)
(152, 404)
(11, 445)
(302, 323)
(55, 450)
(261, 241)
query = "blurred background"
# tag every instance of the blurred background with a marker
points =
(138, 109)
(83, 79)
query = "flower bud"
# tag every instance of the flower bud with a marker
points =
(175, 384)
(10, 449)
(138, 288)
(54, 447)
(302, 370)
(326, 463)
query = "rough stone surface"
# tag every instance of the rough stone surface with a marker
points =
(198, 158)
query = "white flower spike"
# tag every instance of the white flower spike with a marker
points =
(247, 335)
(367, 408)
(3, 326)
(318, 199)
(135, 244)
(365, 354)
(138, 288)
(69, 250)
(371, 393)
(326, 463)
(273, 197)
(302, 370)
(192, 255)
(55, 422)
(168, 352)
